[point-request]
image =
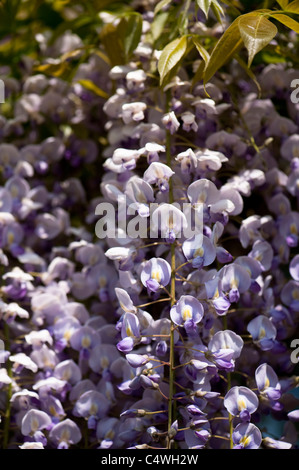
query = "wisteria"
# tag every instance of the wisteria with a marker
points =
(149, 231)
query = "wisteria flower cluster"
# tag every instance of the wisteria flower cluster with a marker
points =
(172, 323)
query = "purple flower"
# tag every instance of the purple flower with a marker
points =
(241, 401)
(69, 371)
(170, 122)
(214, 292)
(91, 403)
(197, 439)
(170, 221)
(289, 228)
(294, 268)
(247, 436)
(235, 280)
(187, 160)
(271, 443)
(155, 273)
(199, 250)
(267, 382)
(226, 339)
(187, 308)
(47, 226)
(130, 333)
(263, 332)
(202, 192)
(290, 295)
(84, 339)
(158, 173)
(125, 301)
(102, 358)
(65, 433)
(33, 421)
(141, 194)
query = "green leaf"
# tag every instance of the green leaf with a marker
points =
(229, 43)
(202, 51)
(113, 46)
(171, 55)
(256, 32)
(287, 21)
(293, 7)
(58, 69)
(204, 5)
(161, 5)
(89, 85)
(129, 31)
(217, 10)
(283, 3)
(158, 25)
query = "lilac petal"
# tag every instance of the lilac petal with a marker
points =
(66, 432)
(221, 305)
(136, 360)
(294, 415)
(271, 443)
(247, 436)
(223, 256)
(226, 339)
(294, 268)
(35, 420)
(187, 308)
(130, 326)
(273, 393)
(245, 415)
(266, 377)
(152, 285)
(234, 295)
(47, 226)
(125, 300)
(91, 403)
(240, 399)
(125, 345)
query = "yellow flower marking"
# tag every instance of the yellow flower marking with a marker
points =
(202, 197)
(242, 404)
(156, 275)
(170, 220)
(262, 333)
(67, 335)
(85, 342)
(93, 409)
(102, 281)
(110, 434)
(245, 441)
(104, 362)
(234, 283)
(293, 229)
(34, 425)
(65, 435)
(186, 313)
(129, 331)
(199, 252)
(295, 294)
(10, 238)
